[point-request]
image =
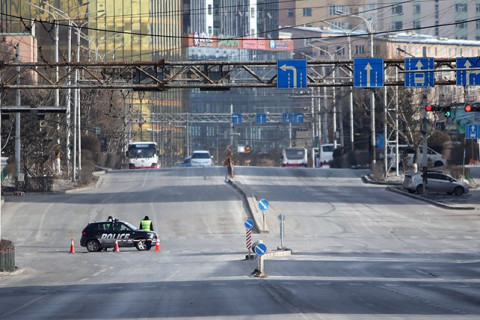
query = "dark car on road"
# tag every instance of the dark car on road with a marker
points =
(99, 235)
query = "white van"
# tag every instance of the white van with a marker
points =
(324, 154)
(201, 158)
(434, 159)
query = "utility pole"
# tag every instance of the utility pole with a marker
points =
(18, 101)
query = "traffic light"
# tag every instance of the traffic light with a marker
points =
(472, 107)
(247, 149)
(447, 112)
(433, 108)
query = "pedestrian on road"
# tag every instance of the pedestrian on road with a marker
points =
(146, 224)
(229, 163)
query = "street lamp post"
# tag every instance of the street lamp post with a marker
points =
(348, 33)
(334, 107)
(368, 24)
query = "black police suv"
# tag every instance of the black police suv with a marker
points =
(99, 235)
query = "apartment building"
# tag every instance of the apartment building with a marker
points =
(444, 19)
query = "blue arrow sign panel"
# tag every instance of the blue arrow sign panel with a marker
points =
(261, 118)
(291, 74)
(260, 249)
(471, 75)
(472, 131)
(368, 72)
(236, 118)
(298, 117)
(249, 224)
(263, 205)
(419, 79)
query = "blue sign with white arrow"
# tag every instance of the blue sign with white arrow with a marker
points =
(471, 75)
(261, 118)
(260, 249)
(236, 118)
(291, 74)
(368, 72)
(472, 131)
(263, 205)
(249, 224)
(422, 78)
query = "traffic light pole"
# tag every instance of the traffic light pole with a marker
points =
(424, 147)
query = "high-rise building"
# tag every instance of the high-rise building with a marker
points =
(233, 18)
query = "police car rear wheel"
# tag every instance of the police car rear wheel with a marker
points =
(141, 245)
(93, 246)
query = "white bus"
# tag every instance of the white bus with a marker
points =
(294, 157)
(324, 154)
(142, 155)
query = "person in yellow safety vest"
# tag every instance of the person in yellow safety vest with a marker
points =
(146, 224)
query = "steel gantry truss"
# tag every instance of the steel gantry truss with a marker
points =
(209, 75)
(247, 118)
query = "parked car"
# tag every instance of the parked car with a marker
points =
(99, 235)
(436, 181)
(434, 159)
(201, 158)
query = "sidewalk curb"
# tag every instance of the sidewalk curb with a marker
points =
(435, 203)
(366, 179)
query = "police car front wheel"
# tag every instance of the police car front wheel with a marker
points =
(93, 246)
(142, 245)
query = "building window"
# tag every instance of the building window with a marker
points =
(397, 25)
(340, 51)
(337, 10)
(477, 24)
(477, 8)
(359, 50)
(418, 9)
(461, 24)
(307, 12)
(209, 10)
(398, 9)
(252, 12)
(210, 31)
(461, 7)
(417, 24)
(290, 13)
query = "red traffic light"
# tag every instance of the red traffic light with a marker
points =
(468, 107)
(429, 107)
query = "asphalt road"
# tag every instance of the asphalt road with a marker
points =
(359, 251)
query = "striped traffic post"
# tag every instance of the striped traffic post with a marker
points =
(248, 236)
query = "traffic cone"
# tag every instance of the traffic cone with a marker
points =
(116, 249)
(157, 245)
(72, 246)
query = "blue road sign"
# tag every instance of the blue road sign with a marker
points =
(298, 117)
(472, 131)
(260, 249)
(236, 118)
(421, 78)
(291, 74)
(261, 118)
(368, 72)
(249, 224)
(471, 75)
(293, 117)
(263, 205)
